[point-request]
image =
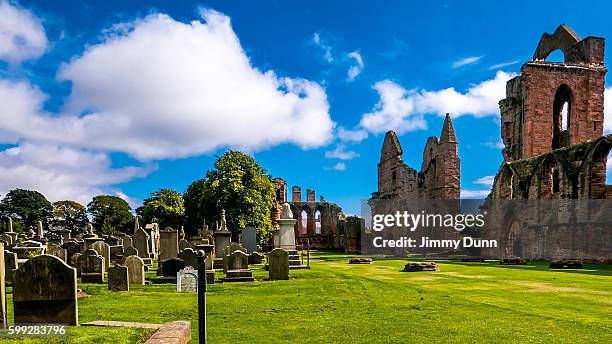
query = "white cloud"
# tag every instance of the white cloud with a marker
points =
(356, 69)
(474, 194)
(337, 167)
(495, 145)
(486, 180)
(341, 153)
(503, 64)
(154, 88)
(62, 173)
(403, 110)
(357, 135)
(22, 36)
(467, 61)
(325, 47)
(158, 88)
(608, 111)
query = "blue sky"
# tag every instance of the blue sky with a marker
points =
(128, 97)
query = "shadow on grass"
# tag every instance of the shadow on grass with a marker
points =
(589, 269)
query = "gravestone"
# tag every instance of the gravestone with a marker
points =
(141, 243)
(116, 253)
(136, 273)
(286, 232)
(183, 244)
(72, 247)
(278, 264)
(168, 244)
(130, 251)
(7, 238)
(238, 268)
(104, 250)
(45, 291)
(170, 267)
(10, 264)
(187, 280)
(256, 258)
(91, 266)
(222, 236)
(420, 266)
(118, 279)
(229, 249)
(58, 251)
(189, 256)
(74, 262)
(126, 241)
(248, 239)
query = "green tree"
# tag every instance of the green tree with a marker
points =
(238, 184)
(165, 207)
(110, 214)
(70, 215)
(26, 207)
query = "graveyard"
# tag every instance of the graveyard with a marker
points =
(368, 303)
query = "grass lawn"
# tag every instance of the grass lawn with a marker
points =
(340, 303)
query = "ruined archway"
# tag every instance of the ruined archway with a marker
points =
(598, 167)
(513, 247)
(562, 111)
(318, 222)
(504, 185)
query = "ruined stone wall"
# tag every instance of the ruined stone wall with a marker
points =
(440, 175)
(546, 165)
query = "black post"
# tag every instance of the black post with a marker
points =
(201, 297)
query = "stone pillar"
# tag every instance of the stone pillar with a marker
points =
(168, 244)
(222, 237)
(286, 232)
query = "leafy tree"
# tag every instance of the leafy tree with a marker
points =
(26, 207)
(70, 215)
(194, 213)
(110, 214)
(238, 184)
(165, 207)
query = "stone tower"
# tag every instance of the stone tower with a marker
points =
(532, 114)
(440, 175)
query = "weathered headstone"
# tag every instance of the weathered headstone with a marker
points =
(168, 244)
(248, 239)
(136, 274)
(57, 251)
(141, 243)
(183, 244)
(44, 291)
(72, 247)
(104, 250)
(256, 258)
(222, 237)
(238, 268)
(91, 266)
(189, 256)
(278, 264)
(130, 251)
(286, 231)
(229, 249)
(187, 280)
(126, 241)
(118, 279)
(10, 264)
(170, 267)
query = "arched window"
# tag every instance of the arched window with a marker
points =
(562, 109)
(304, 221)
(318, 222)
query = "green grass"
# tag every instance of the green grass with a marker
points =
(340, 303)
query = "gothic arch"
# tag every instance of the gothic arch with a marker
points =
(564, 99)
